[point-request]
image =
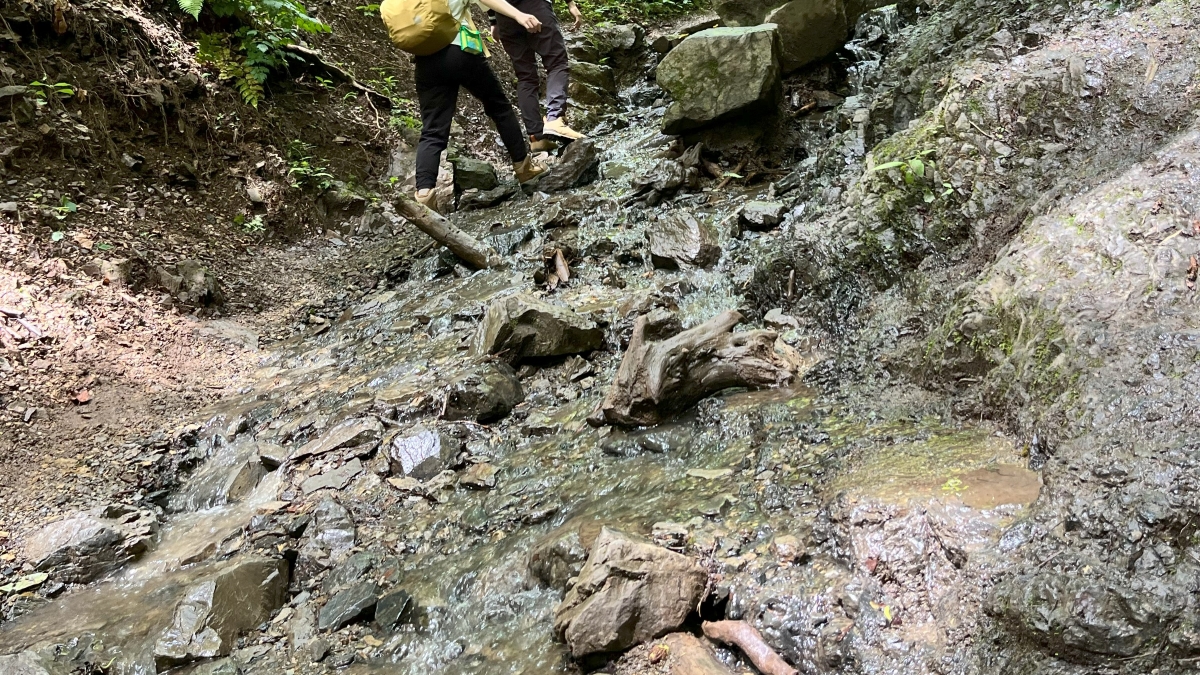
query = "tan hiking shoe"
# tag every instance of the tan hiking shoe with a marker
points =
(541, 145)
(560, 129)
(426, 198)
(527, 169)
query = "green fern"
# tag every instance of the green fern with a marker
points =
(192, 7)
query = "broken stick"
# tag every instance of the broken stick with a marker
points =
(460, 243)
(747, 638)
(657, 379)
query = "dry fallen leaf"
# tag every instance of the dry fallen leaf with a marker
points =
(658, 653)
(83, 396)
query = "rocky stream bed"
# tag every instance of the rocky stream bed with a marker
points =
(953, 429)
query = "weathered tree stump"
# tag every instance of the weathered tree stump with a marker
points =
(659, 379)
(461, 244)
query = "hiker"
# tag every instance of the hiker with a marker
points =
(523, 47)
(419, 28)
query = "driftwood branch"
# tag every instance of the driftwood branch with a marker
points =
(460, 243)
(689, 655)
(747, 638)
(657, 379)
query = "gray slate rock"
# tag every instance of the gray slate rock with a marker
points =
(335, 479)
(393, 609)
(352, 432)
(331, 535)
(473, 174)
(485, 395)
(720, 74)
(348, 606)
(559, 557)
(423, 454)
(744, 12)
(22, 663)
(522, 327)
(212, 613)
(191, 282)
(628, 592)
(682, 240)
(479, 477)
(508, 240)
(219, 667)
(84, 546)
(578, 166)
(471, 200)
(760, 216)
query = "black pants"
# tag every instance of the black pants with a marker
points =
(438, 77)
(524, 48)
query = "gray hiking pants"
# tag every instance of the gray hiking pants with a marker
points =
(523, 48)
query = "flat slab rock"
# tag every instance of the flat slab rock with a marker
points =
(348, 433)
(629, 591)
(521, 326)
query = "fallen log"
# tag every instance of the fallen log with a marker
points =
(657, 379)
(460, 243)
(687, 654)
(747, 638)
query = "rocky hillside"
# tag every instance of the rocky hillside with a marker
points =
(856, 339)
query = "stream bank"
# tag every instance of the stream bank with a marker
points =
(982, 464)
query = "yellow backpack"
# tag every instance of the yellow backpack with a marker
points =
(419, 27)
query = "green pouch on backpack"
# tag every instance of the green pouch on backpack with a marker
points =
(470, 41)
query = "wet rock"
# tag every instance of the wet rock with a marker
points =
(560, 556)
(423, 454)
(351, 432)
(616, 39)
(775, 317)
(23, 663)
(485, 395)
(508, 240)
(719, 74)
(271, 456)
(614, 169)
(471, 200)
(190, 282)
(212, 613)
(219, 667)
(683, 240)
(80, 547)
(473, 174)
(335, 479)
(667, 178)
(809, 30)
(353, 604)
(520, 327)
(479, 477)
(594, 75)
(760, 216)
(229, 476)
(331, 535)
(393, 609)
(578, 166)
(628, 592)
(302, 628)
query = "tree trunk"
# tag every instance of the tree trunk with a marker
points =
(658, 379)
(460, 243)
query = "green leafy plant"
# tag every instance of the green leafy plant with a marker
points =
(255, 225)
(400, 121)
(627, 10)
(324, 82)
(44, 91)
(65, 207)
(370, 9)
(247, 55)
(305, 171)
(915, 172)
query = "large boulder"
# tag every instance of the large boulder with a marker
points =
(628, 592)
(521, 327)
(683, 240)
(473, 174)
(212, 613)
(809, 30)
(720, 74)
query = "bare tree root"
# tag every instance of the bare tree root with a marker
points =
(747, 638)
(661, 378)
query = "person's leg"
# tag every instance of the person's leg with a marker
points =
(517, 44)
(552, 47)
(437, 92)
(477, 76)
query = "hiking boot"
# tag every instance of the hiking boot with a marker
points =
(426, 198)
(541, 144)
(527, 169)
(558, 127)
